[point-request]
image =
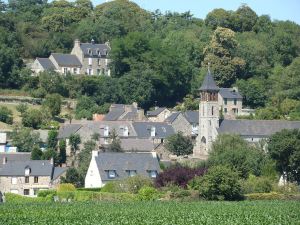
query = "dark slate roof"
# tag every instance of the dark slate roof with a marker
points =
(94, 48)
(67, 129)
(263, 128)
(67, 60)
(209, 83)
(17, 168)
(58, 171)
(155, 112)
(46, 63)
(114, 114)
(172, 117)
(139, 145)
(130, 116)
(16, 156)
(230, 93)
(143, 129)
(120, 162)
(192, 116)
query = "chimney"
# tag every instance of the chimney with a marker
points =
(235, 89)
(93, 41)
(135, 105)
(4, 160)
(95, 154)
(52, 161)
(76, 43)
(107, 43)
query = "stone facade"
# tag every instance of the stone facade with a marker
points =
(231, 106)
(180, 124)
(160, 117)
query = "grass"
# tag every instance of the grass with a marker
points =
(225, 213)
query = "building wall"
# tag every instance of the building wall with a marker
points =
(160, 117)
(92, 178)
(6, 185)
(100, 68)
(37, 67)
(230, 106)
(181, 124)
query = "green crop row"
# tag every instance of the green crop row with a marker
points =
(246, 212)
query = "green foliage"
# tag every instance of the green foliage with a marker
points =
(115, 145)
(179, 144)
(46, 193)
(219, 183)
(66, 187)
(284, 148)
(73, 177)
(36, 153)
(85, 156)
(75, 140)
(19, 199)
(62, 151)
(50, 154)
(233, 151)
(53, 104)
(34, 118)
(148, 194)
(257, 185)
(6, 115)
(22, 108)
(24, 139)
(52, 139)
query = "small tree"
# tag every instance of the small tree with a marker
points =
(32, 118)
(73, 177)
(95, 136)
(62, 151)
(219, 183)
(115, 145)
(179, 144)
(24, 139)
(74, 142)
(22, 108)
(53, 102)
(6, 115)
(48, 154)
(36, 153)
(52, 139)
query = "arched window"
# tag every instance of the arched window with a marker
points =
(203, 140)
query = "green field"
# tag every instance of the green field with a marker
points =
(247, 212)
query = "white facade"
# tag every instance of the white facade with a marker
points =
(93, 178)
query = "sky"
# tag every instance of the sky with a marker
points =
(276, 9)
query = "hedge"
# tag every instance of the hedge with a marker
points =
(15, 198)
(272, 196)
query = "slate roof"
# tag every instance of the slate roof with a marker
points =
(230, 93)
(156, 111)
(66, 60)
(139, 145)
(172, 117)
(46, 63)
(58, 171)
(162, 129)
(94, 48)
(192, 116)
(120, 162)
(114, 114)
(209, 83)
(15, 156)
(67, 129)
(263, 128)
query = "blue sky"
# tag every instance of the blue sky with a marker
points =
(276, 9)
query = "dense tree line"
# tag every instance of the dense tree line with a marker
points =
(156, 57)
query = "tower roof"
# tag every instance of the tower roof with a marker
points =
(209, 83)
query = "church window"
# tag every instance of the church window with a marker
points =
(203, 140)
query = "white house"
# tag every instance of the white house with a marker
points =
(107, 166)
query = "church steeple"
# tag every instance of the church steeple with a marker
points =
(209, 83)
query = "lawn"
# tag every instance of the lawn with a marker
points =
(214, 213)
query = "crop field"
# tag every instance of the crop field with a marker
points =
(247, 212)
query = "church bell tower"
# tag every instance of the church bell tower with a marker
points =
(208, 117)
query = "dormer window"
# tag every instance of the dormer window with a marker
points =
(106, 131)
(90, 61)
(111, 174)
(90, 52)
(125, 131)
(153, 131)
(152, 173)
(131, 173)
(27, 171)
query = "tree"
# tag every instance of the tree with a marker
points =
(6, 115)
(220, 53)
(85, 156)
(22, 108)
(73, 177)
(219, 183)
(36, 153)
(53, 103)
(75, 140)
(32, 118)
(246, 18)
(49, 154)
(62, 151)
(237, 154)
(24, 139)
(284, 148)
(219, 18)
(52, 139)
(115, 145)
(179, 144)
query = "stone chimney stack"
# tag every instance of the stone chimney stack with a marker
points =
(77, 43)
(93, 41)
(4, 160)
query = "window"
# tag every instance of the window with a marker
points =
(98, 72)
(89, 71)
(65, 70)
(212, 110)
(35, 191)
(152, 173)
(27, 171)
(153, 132)
(106, 131)
(106, 62)
(36, 179)
(99, 62)
(90, 61)
(75, 71)
(225, 110)
(106, 141)
(125, 131)
(131, 173)
(26, 180)
(225, 101)
(112, 174)
(234, 101)
(14, 180)
(26, 191)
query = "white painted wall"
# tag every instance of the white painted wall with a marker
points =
(93, 178)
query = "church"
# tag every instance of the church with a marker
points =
(211, 125)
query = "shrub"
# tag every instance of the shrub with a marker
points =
(265, 196)
(66, 187)
(179, 144)
(178, 175)
(66, 195)
(288, 188)
(6, 115)
(219, 183)
(15, 198)
(45, 193)
(32, 118)
(148, 194)
(257, 185)
(112, 187)
(89, 189)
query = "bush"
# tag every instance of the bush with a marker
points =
(265, 196)
(45, 193)
(288, 188)
(15, 198)
(89, 189)
(6, 115)
(32, 118)
(219, 183)
(112, 187)
(179, 144)
(65, 195)
(178, 175)
(66, 187)
(257, 185)
(148, 194)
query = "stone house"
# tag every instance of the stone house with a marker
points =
(125, 112)
(158, 115)
(29, 176)
(230, 101)
(105, 167)
(85, 58)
